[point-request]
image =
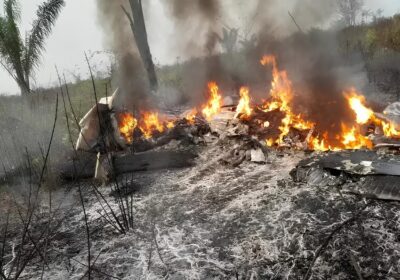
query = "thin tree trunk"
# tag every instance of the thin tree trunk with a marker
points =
(139, 31)
(24, 88)
(23, 83)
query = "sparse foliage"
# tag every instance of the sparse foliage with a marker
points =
(21, 56)
(349, 10)
(229, 39)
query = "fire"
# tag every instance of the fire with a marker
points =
(191, 116)
(353, 139)
(270, 142)
(365, 114)
(281, 88)
(127, 124)
(214, 104)
(356, 102)
(243, 109)
(318, 144)
(281, 97)
(170, 124)
(389, 130)
(150, 123)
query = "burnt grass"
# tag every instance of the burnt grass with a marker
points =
(213, 221)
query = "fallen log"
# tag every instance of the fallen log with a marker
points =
(78, 166)
(84, 166)
(152, 160)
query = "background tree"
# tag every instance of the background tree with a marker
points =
(377, 15)
(21, 56)
(138, 27)
(229, 39)
(349, 10)
(365, 15)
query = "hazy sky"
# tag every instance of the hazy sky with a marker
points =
(77, 31)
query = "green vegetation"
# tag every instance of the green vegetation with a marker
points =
(26, 121)
(382, 35)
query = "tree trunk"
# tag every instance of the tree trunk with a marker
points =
(139, 31)
(24, 87)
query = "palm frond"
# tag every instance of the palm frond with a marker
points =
(3, 24)
(11, 46)
(46, 16)
(4, 57)
(12, 10)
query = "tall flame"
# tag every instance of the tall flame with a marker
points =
(281, 97)
(214, 103)
(127, 124)
(356, 102)
(243, 109)
(281, 88)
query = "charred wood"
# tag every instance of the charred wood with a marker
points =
(152, 160)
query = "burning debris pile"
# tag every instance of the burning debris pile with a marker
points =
(275, 121)
(255, 125)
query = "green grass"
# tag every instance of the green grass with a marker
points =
(26, 122)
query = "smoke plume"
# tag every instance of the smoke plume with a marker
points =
(310, 56)
(131, 76)
(196, 23)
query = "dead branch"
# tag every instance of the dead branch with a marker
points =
(330, 236)
(356, 266)
(295, 22)
(75, 171)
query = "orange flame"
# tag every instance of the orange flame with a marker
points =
(389, 130)
(214, 104)
(365, 115)
(191, 116)
(281, 97)
(243, 109)
(127, 124)
(270, 142)
(356, 102)
(353, 139)
(281, 88)
(170, 124)
(282, 94)
(150, 123)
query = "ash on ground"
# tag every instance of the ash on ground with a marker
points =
(222, 221)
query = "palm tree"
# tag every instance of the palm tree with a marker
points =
(21, 57)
